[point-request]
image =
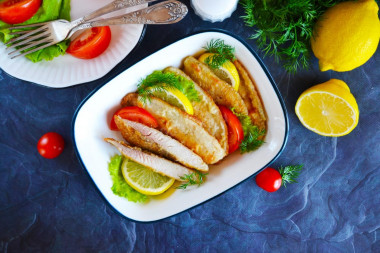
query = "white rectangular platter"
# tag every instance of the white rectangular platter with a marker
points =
(90, 126)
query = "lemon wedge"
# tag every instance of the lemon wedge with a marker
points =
(227, 72)
(328, 109)
(176, 98)
(143, 179)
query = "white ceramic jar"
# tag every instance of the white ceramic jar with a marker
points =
(214, 10)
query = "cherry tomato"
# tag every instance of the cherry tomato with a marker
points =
(91, 43)
(235, 130)
(50, 145)
(136, 114)
(269, 179)
(18, 11)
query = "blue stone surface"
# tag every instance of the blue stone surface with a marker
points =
(52, 205)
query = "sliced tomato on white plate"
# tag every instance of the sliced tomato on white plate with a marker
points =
(91, 43)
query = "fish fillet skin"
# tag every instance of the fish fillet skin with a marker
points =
(206, 111)
(155, 141)
(180, 126)
(156, 163)
(251, 97)
(222, 92)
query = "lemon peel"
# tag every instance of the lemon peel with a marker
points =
(143, 179)
(176, 98)
(227, 72)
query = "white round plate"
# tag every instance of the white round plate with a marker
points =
(90, 127)
(65, 71)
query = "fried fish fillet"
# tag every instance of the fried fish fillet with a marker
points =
(156, 163)
(207, 112)
(219, 90)
(181, 126)
(251, 97)
(153, 140)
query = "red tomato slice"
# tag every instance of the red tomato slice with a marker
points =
(269, 179)
(18, 11)
(136, 114)
(235, 130)
(50, 145)
(91, 43)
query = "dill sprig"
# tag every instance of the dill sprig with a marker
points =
(222, 53)
(283, 29)
(194, 178)
(160, 81)
(290, 173)
(252, 133)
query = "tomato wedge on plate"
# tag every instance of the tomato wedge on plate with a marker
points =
(136, 114)
(90, 43)
(235, 130)
(18, 11)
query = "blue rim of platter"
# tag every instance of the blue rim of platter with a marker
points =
(274, 158)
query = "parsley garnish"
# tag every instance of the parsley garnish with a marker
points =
(222, 53)
(283, 28)
(194, 178)
(290, 173)
(159, 81)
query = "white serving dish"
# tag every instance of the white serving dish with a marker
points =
(90, 126)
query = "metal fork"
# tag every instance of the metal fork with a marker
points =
(52, 32)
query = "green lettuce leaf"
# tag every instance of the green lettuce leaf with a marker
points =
(4, 35)
(120, 187)
(49, 53)
(64, 13)
(50, 10)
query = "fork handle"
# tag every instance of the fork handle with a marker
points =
(167, 12)
(111, 7)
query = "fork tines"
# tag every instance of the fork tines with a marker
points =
(29, 41)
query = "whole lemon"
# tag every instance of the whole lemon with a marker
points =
(346, 35)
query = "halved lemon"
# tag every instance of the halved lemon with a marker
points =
(328, 109)
(143, 179)
(227, 72)
(176, 98)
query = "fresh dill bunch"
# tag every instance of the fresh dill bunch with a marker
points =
(194, 178)
(222, 53)
(160, 81)
(290, 173)
(252, 134)
(283, 29)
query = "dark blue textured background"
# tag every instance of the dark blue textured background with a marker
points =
(52, 206)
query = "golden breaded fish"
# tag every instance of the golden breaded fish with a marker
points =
(206, 111)
(251, 97)
(219, 90)
(181, 126)
(153, 140)
(156, 163)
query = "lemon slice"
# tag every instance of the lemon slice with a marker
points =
(227, 72)
(176, 98)
(328, 109)
(143, 179)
